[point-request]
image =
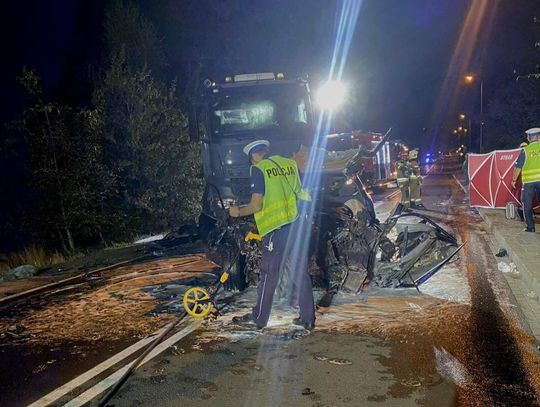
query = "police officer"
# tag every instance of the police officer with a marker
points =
(528, 165)
(275, 189)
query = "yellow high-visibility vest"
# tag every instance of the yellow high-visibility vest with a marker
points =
(282, 189)
(531, 168)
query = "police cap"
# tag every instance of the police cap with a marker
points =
(255, 146)
(534, 132)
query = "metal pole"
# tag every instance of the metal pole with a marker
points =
(470, 134)
(481, 113)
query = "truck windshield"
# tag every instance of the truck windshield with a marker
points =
(259, 108)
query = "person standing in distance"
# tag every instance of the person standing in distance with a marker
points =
(528, 165)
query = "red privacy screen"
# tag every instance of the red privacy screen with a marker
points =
(490, 178)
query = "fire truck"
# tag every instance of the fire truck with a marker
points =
(380, 170)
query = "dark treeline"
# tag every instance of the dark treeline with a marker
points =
(102, 174)
(99, 152)
(510, 68)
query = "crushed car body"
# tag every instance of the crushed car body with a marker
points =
(349, 247)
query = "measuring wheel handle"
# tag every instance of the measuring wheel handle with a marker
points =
(224, 277)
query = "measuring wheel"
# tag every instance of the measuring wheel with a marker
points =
(197, 302)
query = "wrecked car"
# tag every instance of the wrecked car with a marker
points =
(349, 246)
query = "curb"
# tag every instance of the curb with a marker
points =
(528, 277)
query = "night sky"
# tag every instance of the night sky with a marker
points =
(404, 69)
(398, 61)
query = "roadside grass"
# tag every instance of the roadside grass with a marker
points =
(32, 254)
(40, 258)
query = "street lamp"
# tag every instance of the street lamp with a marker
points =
(469, 79)
(467, 129)
(460, 132)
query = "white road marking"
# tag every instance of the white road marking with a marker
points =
(90, 374)
(109, 381)
(393, 194)
(459, 183)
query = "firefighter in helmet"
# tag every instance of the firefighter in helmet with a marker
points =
(415, 180)
(409, 180)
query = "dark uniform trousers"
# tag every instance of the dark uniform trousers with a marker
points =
(527, 197)
(275, 253)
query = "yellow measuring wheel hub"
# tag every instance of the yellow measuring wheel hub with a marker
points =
(197, 302)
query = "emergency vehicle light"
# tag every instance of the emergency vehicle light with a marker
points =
(264, 76)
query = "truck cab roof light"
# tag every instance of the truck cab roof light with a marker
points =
(263, 76)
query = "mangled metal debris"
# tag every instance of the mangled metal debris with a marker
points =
(350, 248)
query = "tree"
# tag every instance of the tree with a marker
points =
(128, 32)
(513, 110)
(514, 107)
(147, 145)
(66, 170)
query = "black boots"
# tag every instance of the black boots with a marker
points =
(306, 325)
(246, 321)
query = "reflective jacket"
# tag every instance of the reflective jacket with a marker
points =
(403, 169)
(531, 168)
(414, 168)
(282, 189)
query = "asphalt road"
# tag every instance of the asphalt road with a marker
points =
(317, 370)
(396, 348)
(472, 359)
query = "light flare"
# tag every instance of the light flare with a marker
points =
(467, 54)
(299, 239)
